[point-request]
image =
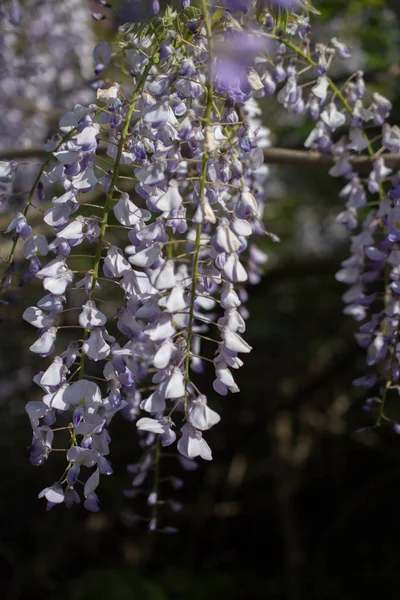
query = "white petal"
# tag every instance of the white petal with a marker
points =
(91, 316)
(37, 317)
(241, 227)
(95, 346)
(161, 330)
(163, 278)
(233, 270)
(157, 114)
(176, 300)
(85, 456)
(154, 403)
(88, 135)
(226, 239)
(58, 283)
(126, 212)
(255, 81)
(320, 90)
(52, 268)
(73, 231)
(35, 410)
(146, 258)
(226, 378)
(332, 117)
(192, 444)
(204, 212)
(115, 262)
(84, 391)
(85, 180)
(35, 246)
(163, 354)
(57, 399)
(171, 200)
(92, 483)
(68, 157)
(229, 298)
(109, 94)
(55, 373)
(234, 342)
(151, 425)
(53, 494)
(200, 415)
(45, 344)
(71, 119)
(175, 387)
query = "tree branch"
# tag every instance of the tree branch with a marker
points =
(21, 153)
(315, 160)
(273, 156)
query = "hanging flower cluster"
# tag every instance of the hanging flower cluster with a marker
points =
(171, 158)
(180, 171)
(343, 117)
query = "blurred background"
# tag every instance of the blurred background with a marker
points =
(296, 504)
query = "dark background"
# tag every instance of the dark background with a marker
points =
(296, 504)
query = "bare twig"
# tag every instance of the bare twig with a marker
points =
(315, 160)
(273, 156)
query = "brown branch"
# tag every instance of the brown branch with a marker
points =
(22, 153)
(273, 156)
(315, 160)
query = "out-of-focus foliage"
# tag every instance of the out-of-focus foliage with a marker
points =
(371, 24)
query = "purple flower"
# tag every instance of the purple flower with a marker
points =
(230, 79)
(288, 4)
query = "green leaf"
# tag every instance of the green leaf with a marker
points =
(217, 17)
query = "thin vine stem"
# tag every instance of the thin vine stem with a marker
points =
(108, 202)
(203, 179)
(338, 93)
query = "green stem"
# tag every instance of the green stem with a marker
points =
(203, 179)
(337, 92)
(109, 197)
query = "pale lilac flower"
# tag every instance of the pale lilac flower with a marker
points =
(38, 318)
(192, 444)
(161, 427)
(21, 227)
(171, 200)
(320, 90)
(54, 494)
(45, 344)
(115, 263)
(55, 374)
(175, 387)
(342, 50)
(332, 117)
(96, 346)
(233, 270)
(234, 342)
(128, 213)
(200, 416)
(36, 245)
(91, 316)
